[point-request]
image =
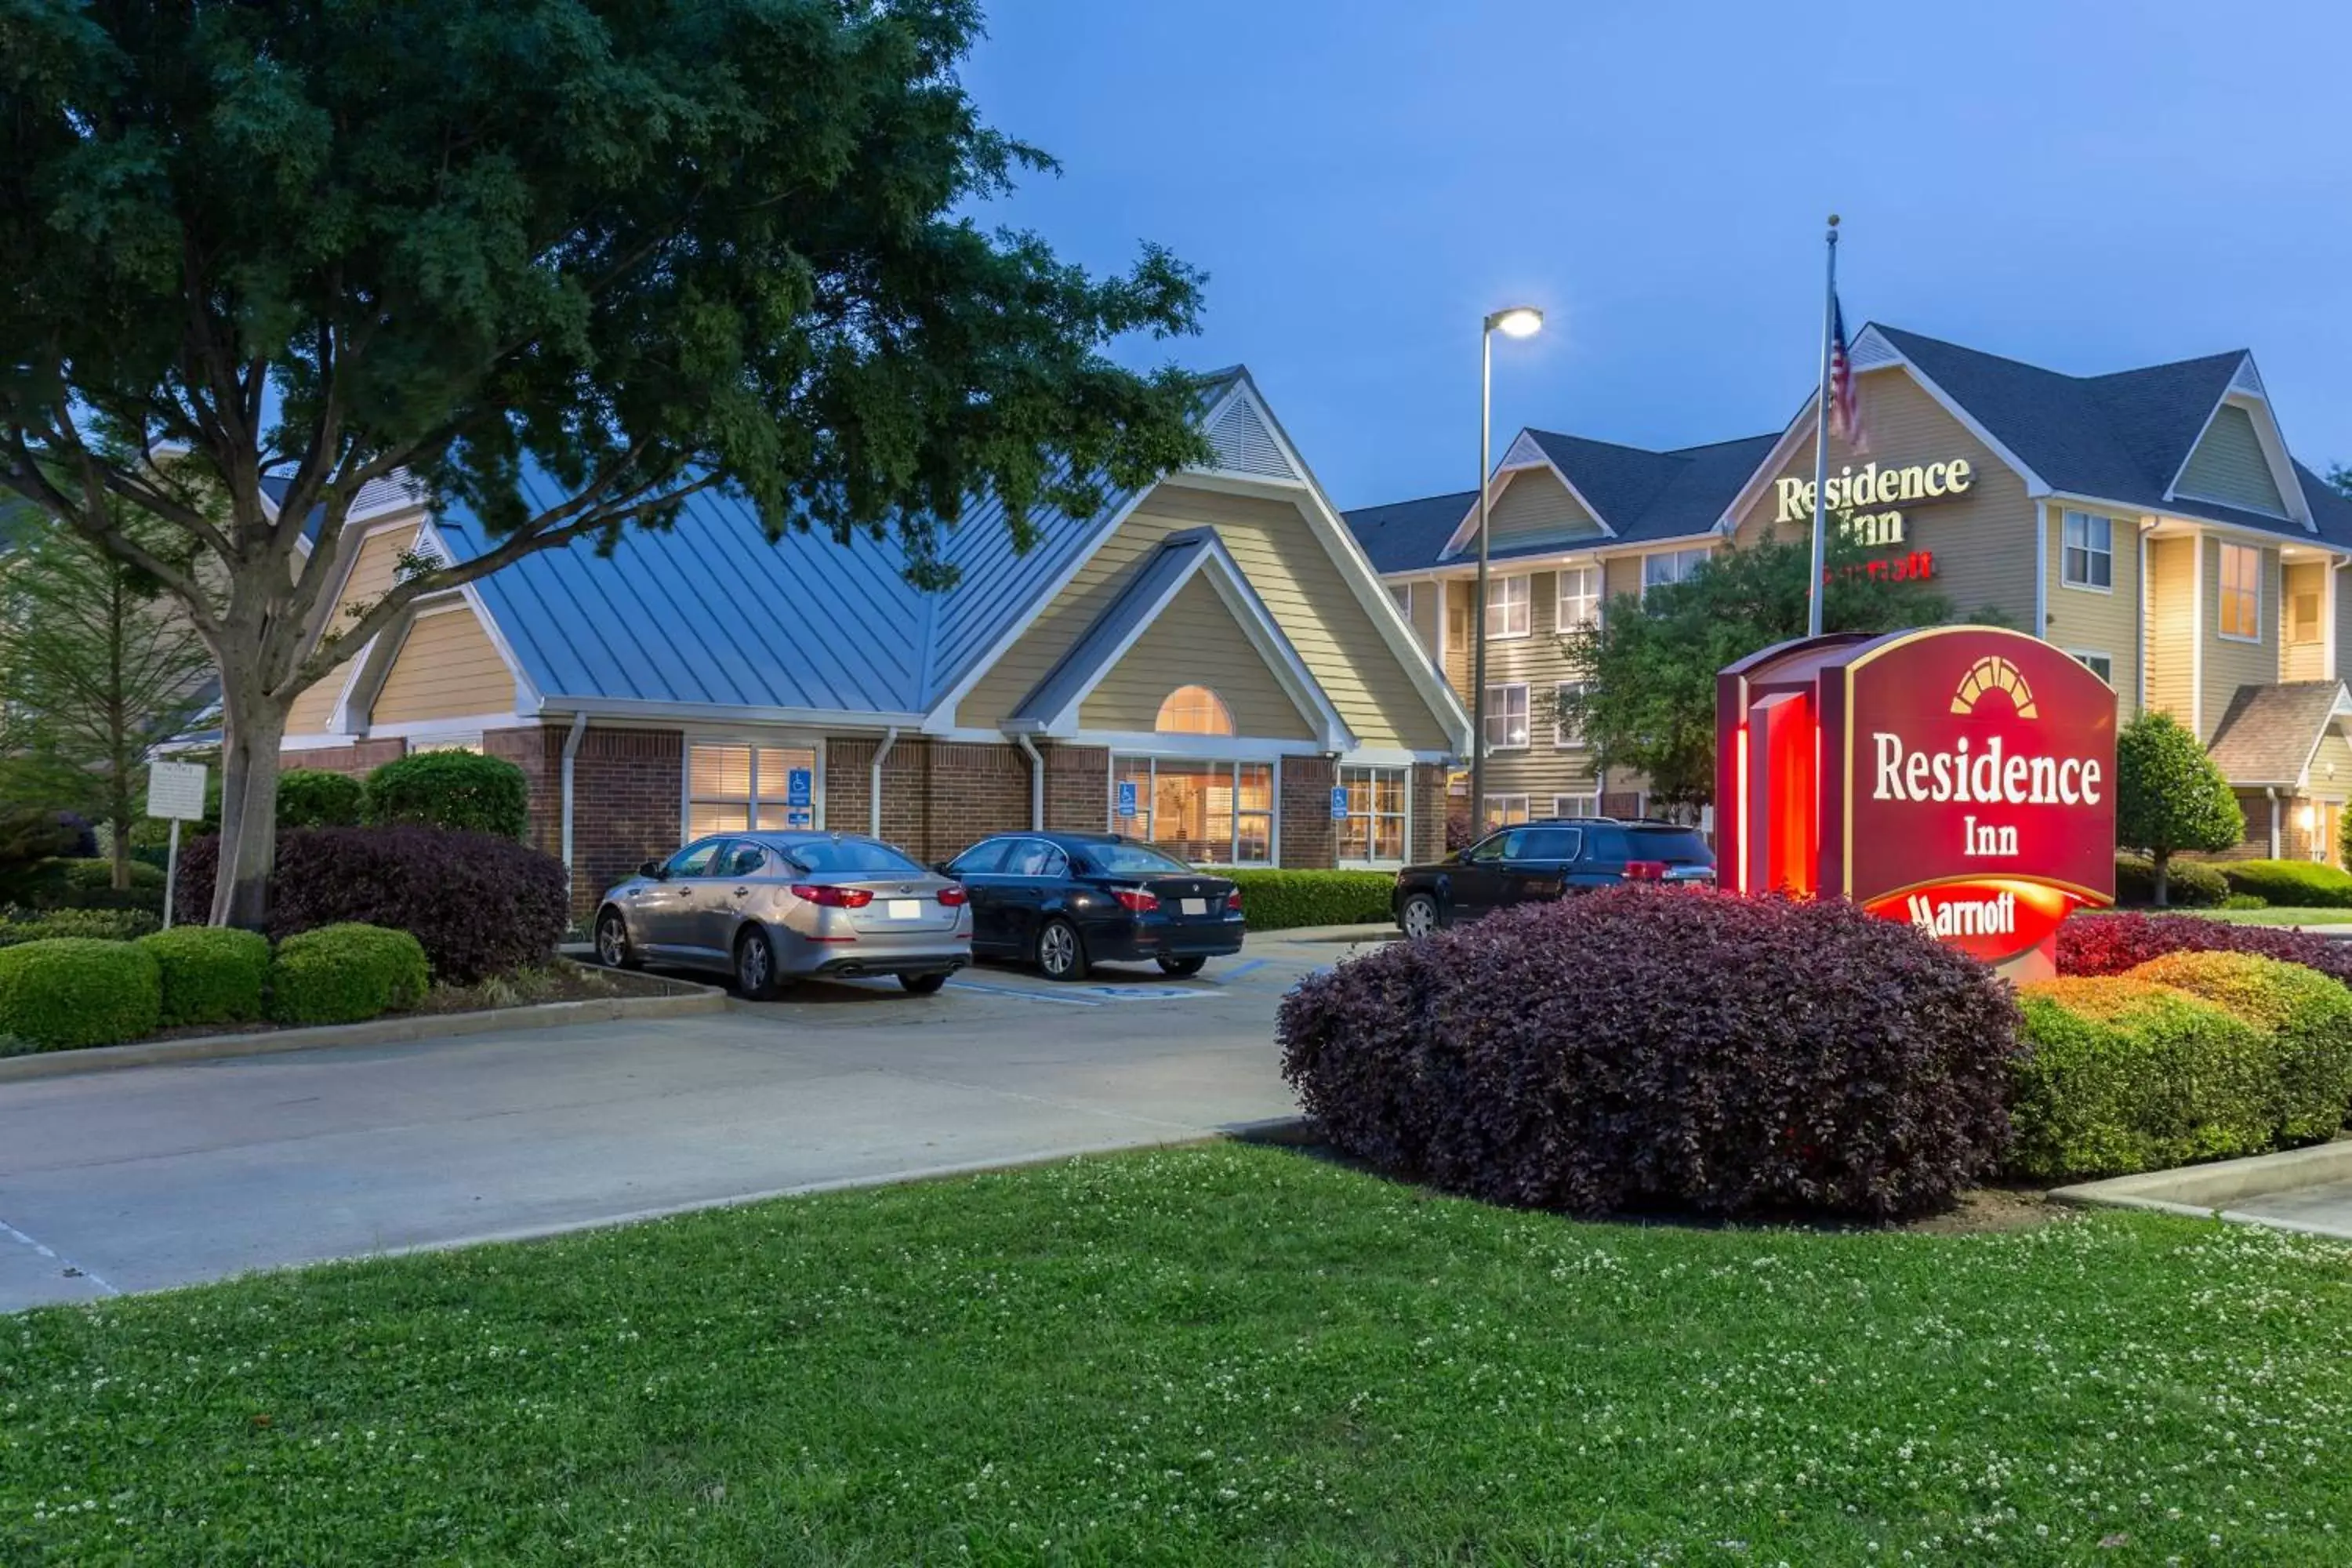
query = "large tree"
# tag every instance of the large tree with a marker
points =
(636, 250)
(98, 665)
(2171, 796)
(1648, 668)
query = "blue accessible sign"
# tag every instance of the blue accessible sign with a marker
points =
(800, 787)
(1126, 798)
(1338, 802)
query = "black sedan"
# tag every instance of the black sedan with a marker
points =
(1540, 861)
(1066, 901)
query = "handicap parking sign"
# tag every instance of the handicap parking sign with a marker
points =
(800, 787)
(1338, 802)
(1126, 798)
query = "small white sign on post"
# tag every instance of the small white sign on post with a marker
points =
(174, 791)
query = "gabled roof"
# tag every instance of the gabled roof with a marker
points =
(1052, 708)
(2271, 732)
(1642, 496)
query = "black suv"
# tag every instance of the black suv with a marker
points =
(1539, 860)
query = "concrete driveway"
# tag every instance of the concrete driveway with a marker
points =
(167, 1176)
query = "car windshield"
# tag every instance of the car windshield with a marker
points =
(1131, 860)
(1674, 846)
(850, 855)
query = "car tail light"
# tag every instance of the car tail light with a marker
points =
(953, 897)
(834, 898)
(1233, 901)
(1645, 870)
(1136, 900)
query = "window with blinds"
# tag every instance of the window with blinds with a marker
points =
(731, 788)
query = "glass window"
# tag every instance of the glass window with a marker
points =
(1509, 602)
(1562, 733)
(1507, 716)
(1576, 805)
(1402, 593)
(1194, 710)
(694, 860)
(1035, 858)
(2098, 664)
(2089, 552)
(1220, 812)
(2304, 618)
(2241, 592)
(1503, 810)
(851, 854)
(417, 743)
(741, 859)
(1498, 847)
(1374, 828)
(1669, 566)
(738, 787)
(1548, 843)
(1579, 597)
(1130, 860)
(981, 859)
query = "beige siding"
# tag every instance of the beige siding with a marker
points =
(1459, 592)
(447, 669)
(2305, 582)
(1198, 636)
(1543, 768)
(2172, 627)
(2343, 591)
(2230, 663)
(2229, 466)
(1982, 541)
(1428, 613)
(1287, 562)
(1620, 574)
(1535, 508)
(2331, 767)
(2095, 620)
(371, 575)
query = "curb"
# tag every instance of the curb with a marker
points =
(2204, 1192)
(395, 1031)
(1380, 932)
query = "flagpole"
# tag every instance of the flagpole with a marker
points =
(1821, 443)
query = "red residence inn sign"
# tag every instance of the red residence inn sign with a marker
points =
(1961, 778)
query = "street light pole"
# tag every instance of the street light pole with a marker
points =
(1518, 322)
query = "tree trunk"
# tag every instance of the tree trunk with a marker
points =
(253, 724)
(2161, 860)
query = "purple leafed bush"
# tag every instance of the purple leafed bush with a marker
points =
(2110, 944)
(1638, 1048)
(480, 904)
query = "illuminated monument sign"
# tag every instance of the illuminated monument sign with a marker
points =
(1961, 778)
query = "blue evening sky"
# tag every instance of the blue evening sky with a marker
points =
(2085, 186)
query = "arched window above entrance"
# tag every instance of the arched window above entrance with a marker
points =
(1194, 710)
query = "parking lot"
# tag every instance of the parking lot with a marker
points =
(159, 1177)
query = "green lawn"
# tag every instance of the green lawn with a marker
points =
(1206, 1355)
(2280, 915)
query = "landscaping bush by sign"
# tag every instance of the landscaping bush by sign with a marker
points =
(1285, 900)
(2113, 944)
(2307, 1016)
(2301, 884)
(1631, 1047)
(2194, 885)
(69, 992)
(211, 976)
(451, 789)
(481, 904)
(111, 925)
(346, 974)
(314, 797)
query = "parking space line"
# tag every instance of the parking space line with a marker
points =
(66, 1263)
(1235, 971)
(1025, 996)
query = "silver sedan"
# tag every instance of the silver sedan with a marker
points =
(773, 908)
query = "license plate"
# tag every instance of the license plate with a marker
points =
(906, 909)
(1195, 905)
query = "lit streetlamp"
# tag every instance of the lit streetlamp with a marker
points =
(1517, 321)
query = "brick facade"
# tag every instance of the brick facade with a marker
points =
(359, 759)
(1077, 788)
(940, 795)
(1310, 840)
(1429, 807)
(628, 792)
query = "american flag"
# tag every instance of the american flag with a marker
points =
(1845, 413)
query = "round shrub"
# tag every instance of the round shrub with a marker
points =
(1284, 900)
(2114, 944)
(2190, 884)
(110, 925)
(211, 976)
(76, 991)
(346, 974)
(313, 797)
(2297, 884)
(2124, 1074)
(2308, 1016)
(480, 904)
(451, 789)
(1636, 1046)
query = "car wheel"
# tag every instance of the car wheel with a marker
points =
(1060, 954)
(755, 965)
(923, 985)
(1419, 915)
(1188, 965)
(612, 949)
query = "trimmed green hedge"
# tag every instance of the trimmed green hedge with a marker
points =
(451, 789)
(346, 974)
(74, 991)
(19, 926)
(211, 976)
(313, 797)
(1283, 900)
(2302, 884)
(2189, 884)
(2308, 1016)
